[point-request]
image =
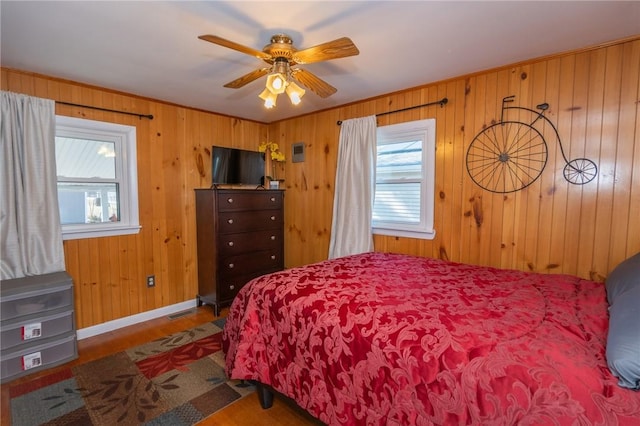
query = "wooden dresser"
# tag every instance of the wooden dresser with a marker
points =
(240, 236)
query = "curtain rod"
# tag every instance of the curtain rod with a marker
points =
(441, 102)
(149, 116)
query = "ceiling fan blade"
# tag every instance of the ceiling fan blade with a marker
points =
(314, 83)
(235, 46)
(247, 78)
(339, 48)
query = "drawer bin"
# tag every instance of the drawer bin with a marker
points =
(35, 295)
(49, 353)
(32, 329)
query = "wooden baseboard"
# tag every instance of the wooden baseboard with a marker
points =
(105, 327)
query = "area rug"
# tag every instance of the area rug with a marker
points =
(176, 380)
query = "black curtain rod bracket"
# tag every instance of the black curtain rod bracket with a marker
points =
(140, 116)
(442, 102)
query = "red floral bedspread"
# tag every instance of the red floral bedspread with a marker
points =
(387, 339)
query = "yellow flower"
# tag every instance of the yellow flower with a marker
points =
(273, 148)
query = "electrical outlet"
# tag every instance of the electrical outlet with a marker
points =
(151, 280)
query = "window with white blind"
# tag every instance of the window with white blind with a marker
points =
(405, 175)
(97, 178)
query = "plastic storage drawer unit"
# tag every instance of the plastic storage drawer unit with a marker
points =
(37, 324)
(38, 327)
(48, 353)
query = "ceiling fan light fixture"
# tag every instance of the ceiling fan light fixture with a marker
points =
(276, 83)
(269, 98)
(281, 55)
(294, 92)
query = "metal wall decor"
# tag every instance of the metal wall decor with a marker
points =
(510, 155)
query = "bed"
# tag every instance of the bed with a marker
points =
(390, 339)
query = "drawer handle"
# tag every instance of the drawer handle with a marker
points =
(230, 200)
(230, 243)
(273, 199)
(232, 287)
(273, 257)
(230, 221)
(273, 237)
(273, 218)
(231, 265)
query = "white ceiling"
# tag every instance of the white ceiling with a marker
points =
(151, 48)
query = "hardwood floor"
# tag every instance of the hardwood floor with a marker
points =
(245, 412)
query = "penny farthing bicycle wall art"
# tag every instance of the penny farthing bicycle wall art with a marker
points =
(510, 155)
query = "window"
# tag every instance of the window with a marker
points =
(97, 178)
(404, 195)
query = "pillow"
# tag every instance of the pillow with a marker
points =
(623, 341)
(624, 277)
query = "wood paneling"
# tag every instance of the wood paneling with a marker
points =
(550, 226)
(173, 153)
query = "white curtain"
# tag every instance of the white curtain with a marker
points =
(29, 218)
(354, 188)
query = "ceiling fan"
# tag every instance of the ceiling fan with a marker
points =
(282, 56)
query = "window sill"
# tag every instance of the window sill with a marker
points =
(99, 231)
(423, 235)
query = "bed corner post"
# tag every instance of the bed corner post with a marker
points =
(265, 395)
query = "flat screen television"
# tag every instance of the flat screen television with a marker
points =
(232, 166)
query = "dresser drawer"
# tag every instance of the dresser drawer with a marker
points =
(229, 287)
(31, 329)
(249, 200)
(236, 222)
(248, 263)
(231, 244)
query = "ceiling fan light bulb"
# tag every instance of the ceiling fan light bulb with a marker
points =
(268, 98)
(276, 83)
(294, 92)
(295, 99)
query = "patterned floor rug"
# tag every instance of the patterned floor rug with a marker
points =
(176, 380)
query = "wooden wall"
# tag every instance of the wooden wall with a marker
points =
(551, 226)
(173, 158)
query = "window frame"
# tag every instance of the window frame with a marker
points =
(124, 139)
(402, 132)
